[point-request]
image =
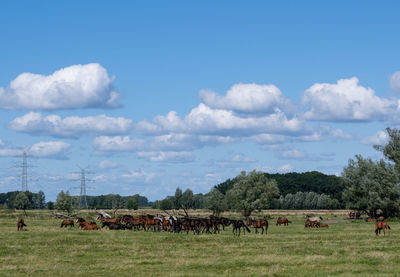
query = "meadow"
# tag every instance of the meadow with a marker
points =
(346, 248)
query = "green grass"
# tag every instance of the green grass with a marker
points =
(343, 249)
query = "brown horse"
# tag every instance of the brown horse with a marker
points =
(322, 225)
(382, 225)
(90, 226)
(261, 223)
(20, 224)
(67, 222)
(282, 220)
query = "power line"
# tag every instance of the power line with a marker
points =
(82, 201)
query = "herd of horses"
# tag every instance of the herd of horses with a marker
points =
(209, 225)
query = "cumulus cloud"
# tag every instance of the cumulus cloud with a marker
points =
(208, 121)
(395, 81)
(379, 138)
(47, 149)
(73, 87)
(248, 98)
(70, 127)
(346, 101)
(171, 156)
(110, 145)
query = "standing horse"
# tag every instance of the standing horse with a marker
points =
(237, 225)
(261, 223)
(20, 224)
(382, 225)
(67, 222)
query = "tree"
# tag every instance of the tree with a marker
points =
(38, 200)
(187, 199)
(178, 199)
(132, 204)
(50, 205)
(252, 192)
(215, 201)
(64, 202)
(21, 201)
(372, 185)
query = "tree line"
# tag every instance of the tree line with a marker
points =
(365, 185)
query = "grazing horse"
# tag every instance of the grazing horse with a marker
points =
(237, 225)
(67, 222)
(382, 225)
(20, 224)
(261, 223)
(282, 220)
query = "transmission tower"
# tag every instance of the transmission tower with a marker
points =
(83, 179)
(24, 176)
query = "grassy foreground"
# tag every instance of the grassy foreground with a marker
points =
(344, 249)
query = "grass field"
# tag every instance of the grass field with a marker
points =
(344, 249)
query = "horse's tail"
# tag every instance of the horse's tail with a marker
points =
(266, 225)
(247, 228)
(388, 226)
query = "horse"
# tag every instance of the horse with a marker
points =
(20, 224)
(382, 225)
(261, 223)
(90, 226)
(114, 226)
(282, 220)
(314, 218)
(310, 224)
(322, 225)
(237, 225)
(67, 222)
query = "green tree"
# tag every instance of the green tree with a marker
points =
(132, 204)
(215, 201)
(178, 199)
(252, 192)
(187, 200)
(38, 200)
(372, 185)
(50, 205)
(64, 202)
(22, 202)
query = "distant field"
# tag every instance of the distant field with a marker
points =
(344, 249)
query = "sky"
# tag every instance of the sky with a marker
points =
(149, 96)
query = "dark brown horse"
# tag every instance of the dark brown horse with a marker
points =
(20, 224)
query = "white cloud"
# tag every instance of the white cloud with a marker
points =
(249, 98)
(48, 149)
(138, 175)
(70, 127)
(346, 101)
(105, 144)
(281, 169)
(207, 121)
(286, 168)
(106, 164)
(379, 138)
(73, 87)
(171, 156)
(395, 81)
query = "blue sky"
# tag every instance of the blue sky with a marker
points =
(154, 95)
